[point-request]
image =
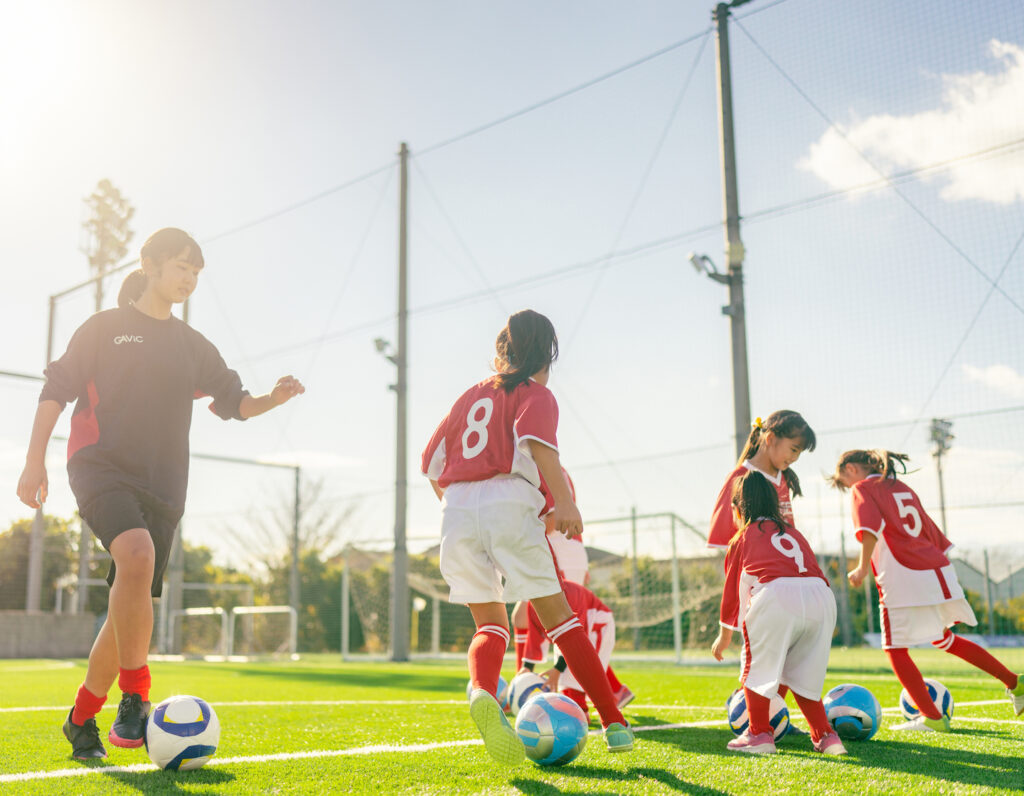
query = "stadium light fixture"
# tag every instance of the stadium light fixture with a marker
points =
(703, 264)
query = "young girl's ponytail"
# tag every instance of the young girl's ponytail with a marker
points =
(879, 460)
(132, 287)
(754, 498)
(527, 345)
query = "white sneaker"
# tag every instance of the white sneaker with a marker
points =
(923, 724)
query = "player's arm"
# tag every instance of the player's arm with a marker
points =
(437, 489)
(730, 606)
(287, 387)
(867, 547)
(565, 516)
(33, 484)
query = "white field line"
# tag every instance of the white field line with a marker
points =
(356, 702)
(284, 756)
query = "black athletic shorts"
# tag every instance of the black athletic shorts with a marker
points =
(121, 509)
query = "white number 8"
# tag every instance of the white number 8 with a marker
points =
(477, 426)
(790, 550)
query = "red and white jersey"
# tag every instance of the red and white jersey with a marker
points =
(588, 608)
(909, 560)
(485, 434)
(723, 526)
(759, 555)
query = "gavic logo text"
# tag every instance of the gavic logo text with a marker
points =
(127, 338)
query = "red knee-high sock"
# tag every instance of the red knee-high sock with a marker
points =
(910, 678)
(135, 681)
(486, 652)
(783, 690)
(613, 681)
(586, 667)
(87, 705)
(976, 656)
(814, 712)
(520, 642)
(579, 698)
(758, 708)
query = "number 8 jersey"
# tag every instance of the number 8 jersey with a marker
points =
(909, 559)
(485, 434)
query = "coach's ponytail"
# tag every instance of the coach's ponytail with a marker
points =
(527, 345)
(132, 288)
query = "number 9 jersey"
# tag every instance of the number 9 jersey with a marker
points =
(486, 432)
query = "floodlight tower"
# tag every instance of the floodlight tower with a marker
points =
(941, 438)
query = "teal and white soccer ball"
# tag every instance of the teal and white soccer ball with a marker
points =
(853, 712)
(522, 687)
(940, 696)
(501, 696)
(736, 708)
(182, 733)
(553, 729)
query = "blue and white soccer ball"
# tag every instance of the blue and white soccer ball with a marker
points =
(501, 696)
(553, 729)
(853, 712)
(940, 696)
(522, 687)
(778, 714)
(182, 733)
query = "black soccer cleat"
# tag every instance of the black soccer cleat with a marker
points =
(129, 728)
(84, 738)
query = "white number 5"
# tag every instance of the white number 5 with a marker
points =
(478, 426)
(908, 509)
(790, 548)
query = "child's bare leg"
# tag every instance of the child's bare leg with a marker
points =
(131, 604)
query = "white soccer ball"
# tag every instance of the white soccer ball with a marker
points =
(522, 687)
(182, 733)
(940, 696)
(736, 709)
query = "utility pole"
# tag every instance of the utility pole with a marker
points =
(734, 251)
(941, 438)
(400, 572)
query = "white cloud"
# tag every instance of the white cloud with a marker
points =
(977, 111)
(1001, 378)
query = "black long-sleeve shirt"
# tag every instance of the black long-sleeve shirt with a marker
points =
(134, 378)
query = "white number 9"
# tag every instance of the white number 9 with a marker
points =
(790, 548)
(478, 426)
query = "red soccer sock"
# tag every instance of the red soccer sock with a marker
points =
(814, 712)
(87, 705)
(910, 678)
(135, 681)
(520, 642)
(579, 698)
(977, 656)
(486, 653)
(758, 708)
(586, 667)
(613, 681)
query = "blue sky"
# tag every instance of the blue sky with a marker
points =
(212, 116)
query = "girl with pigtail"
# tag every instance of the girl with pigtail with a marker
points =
(777, 596)
(920, 597)
(774, 444)
(134, 373)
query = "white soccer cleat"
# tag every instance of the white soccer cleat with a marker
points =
(924, 724)
(500, 739)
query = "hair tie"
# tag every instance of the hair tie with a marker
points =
(757, 423)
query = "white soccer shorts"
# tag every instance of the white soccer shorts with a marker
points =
(921, 624)
(492, 542)
(787, 636)
(570, 557)
(602, 636)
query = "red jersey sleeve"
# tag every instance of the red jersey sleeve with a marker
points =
(537, 417)
(867, 515)
(729, 612)
(723, 526)
(535, 636)
(433, 458)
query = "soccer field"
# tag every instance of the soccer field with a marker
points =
(322, 726)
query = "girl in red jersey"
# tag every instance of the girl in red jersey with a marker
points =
(919, 595)
(773, 446)
(777, 595)
(485, 462)
(134, 372)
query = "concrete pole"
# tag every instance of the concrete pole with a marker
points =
(734, 251)
(400, 572)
